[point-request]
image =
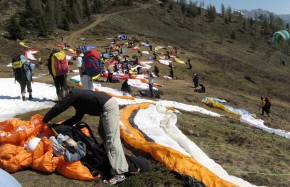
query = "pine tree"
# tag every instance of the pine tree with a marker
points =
(66, 24)
(211, 13)
(233, 35)
(50, 16)
(87, 11)
(43, 29)
(58, 13)
(97, 6)
(15, 29)
(223, 10)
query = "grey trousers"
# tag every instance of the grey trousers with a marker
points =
(87, 82)
(23, 85)
(110, 123)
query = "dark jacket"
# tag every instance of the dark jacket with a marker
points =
(195, 80)
(126, 87)
(49, 64)
(24, 73)
(84, 102)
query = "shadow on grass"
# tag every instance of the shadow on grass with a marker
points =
(249, 79)
(8, 97)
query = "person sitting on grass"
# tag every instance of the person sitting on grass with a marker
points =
(126, 87)
(201, 89)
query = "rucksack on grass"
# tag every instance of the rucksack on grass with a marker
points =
(92, 64)
(60, 63)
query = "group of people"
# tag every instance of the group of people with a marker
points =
(86, 101)
(23, 69)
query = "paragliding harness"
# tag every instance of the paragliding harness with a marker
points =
(92, 64)
(22, 68)
(96, 159)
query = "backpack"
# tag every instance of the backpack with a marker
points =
(22, 68)
(95, 149)
(96, 159)
(92, 64)
(60, 64)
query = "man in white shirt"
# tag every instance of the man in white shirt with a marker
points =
(86, 80)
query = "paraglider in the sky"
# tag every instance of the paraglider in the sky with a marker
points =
(280, 35)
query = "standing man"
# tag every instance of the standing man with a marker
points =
(195, 80)
(266, 105)
(151, 82)
(58, 68)
(171, 73)
(86, 80)
(97, 104)
(23, 74)
(189, 64)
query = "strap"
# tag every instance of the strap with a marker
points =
(81, 125)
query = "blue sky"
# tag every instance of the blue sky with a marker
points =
(275, 6)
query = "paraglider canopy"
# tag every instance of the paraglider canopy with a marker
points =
(88, 47)
(280, 35)
(30, 54)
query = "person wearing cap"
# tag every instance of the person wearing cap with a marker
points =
(86, 80)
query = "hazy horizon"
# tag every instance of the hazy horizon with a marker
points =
(278, 7)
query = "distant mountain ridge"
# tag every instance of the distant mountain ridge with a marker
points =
(256, 12)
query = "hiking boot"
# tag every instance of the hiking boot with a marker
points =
(23, 98)
(30, 97)
(116, 179)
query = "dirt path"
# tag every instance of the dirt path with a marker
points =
(71, 39)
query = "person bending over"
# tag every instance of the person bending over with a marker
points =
(96, 104)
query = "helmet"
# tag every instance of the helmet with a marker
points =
(31, 145)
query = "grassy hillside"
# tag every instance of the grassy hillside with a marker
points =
(229, 69)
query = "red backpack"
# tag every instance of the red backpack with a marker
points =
(60, 63)
(92, 64)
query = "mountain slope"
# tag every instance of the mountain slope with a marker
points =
(228, 67)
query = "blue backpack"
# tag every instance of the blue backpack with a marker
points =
(92, 64)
